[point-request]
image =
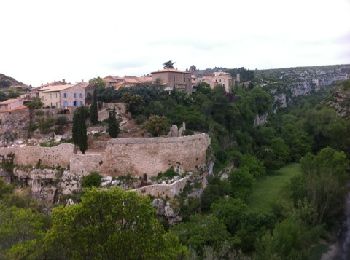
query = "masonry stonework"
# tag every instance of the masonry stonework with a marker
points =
(48, 156)
(139, 156)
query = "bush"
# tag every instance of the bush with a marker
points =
(91, 180)
(62, 120)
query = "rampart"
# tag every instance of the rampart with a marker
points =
(139, 156)
(48, 156)
(122, 156)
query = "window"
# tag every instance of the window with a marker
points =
(65, 103)
(64, 95)
(75, 95)
(81, 103)
(80, 95)
(219, 80)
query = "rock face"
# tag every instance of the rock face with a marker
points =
(164, 209)
(341, 101)
(174, 132)
(260, 119)
(47, 184)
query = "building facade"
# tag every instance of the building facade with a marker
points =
(66, 95)
(51, 95)
(218, 79)
(173, 79)
(76, 95)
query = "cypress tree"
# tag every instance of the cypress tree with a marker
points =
(94, 110)
(79, 130)
(113, 125)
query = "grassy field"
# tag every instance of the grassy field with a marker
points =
(270, 189)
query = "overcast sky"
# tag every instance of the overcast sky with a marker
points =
(47, 40)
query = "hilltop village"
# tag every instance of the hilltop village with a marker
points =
(192, 141)
(36, 128)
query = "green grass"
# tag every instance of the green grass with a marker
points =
(270, 189)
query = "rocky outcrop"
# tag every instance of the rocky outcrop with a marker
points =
(46, 184)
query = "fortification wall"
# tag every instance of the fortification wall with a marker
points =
(135, 156)
(139, 156)
(83, 164)
(49, 156)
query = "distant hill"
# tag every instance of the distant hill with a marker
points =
(7, 82)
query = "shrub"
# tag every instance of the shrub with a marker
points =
(91, 180)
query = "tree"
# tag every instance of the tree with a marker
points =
(79, 131)
(201, 231)
(168, 65)
(18, 228)
(241, 183)
(94, 109)
(113, 124)
(323, 183)
(230, 211)
(291, 239)
(109, 224)
(215, 190)
(254, 165)
(35, 103)
(157, 125)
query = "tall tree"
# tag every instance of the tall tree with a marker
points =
(113, 125)
(109, 224)
(79, 131)
(93, 109)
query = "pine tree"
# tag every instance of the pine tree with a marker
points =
(79, 130)
(113, 125)
(93, 110)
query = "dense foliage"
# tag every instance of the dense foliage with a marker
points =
(221, 223)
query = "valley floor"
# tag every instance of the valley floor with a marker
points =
(270, 189)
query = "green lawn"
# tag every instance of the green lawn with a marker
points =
(270, 189)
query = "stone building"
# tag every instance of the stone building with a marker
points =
(51, 95)
(11, 105)
(66, 95)
(218, 78)
(173, 79)
(77, 95)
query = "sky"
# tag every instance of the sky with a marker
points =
(46, 40)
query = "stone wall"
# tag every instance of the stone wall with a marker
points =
(83, 164)
(135, 156)
(164, 190)
(48, 156)
(139, 156)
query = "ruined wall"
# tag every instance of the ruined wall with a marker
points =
(164, 190)
(50, 156)
(139, 156)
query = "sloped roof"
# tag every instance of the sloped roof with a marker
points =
(55, 88)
